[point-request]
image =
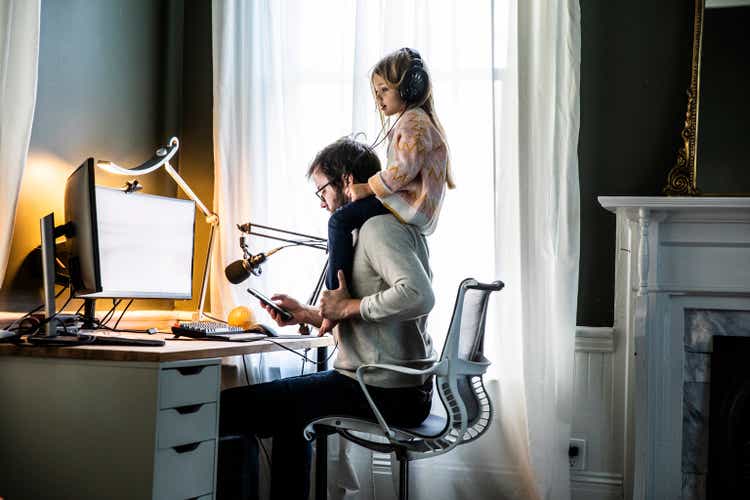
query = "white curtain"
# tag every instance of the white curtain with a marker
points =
(19, 52)
(292, 76)
(537, 240)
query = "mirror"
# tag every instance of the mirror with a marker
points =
(713, 158)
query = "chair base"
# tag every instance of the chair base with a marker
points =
(321, 443)
(403, 478)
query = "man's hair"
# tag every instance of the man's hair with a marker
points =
(343, 157)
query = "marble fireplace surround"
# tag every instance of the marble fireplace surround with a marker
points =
(701, 325)
(682, 276)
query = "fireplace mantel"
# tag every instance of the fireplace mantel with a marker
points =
(674, 254)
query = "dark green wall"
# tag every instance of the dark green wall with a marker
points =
(635, 71)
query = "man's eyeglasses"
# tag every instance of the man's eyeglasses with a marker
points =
(320, 190)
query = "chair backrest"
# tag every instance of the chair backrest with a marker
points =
(463, 394)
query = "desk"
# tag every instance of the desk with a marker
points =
(115, 422)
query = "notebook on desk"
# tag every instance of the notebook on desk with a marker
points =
(93, 339)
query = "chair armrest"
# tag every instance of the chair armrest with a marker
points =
(436, 368)
(478, 367)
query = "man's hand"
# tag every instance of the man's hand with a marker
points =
(336, 305)
(358, 191)
(288, 303)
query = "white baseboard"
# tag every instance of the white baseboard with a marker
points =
(587, 491)
(595, 339)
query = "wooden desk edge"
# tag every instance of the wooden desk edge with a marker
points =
(173, 350)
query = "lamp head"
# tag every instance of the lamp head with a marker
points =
(162, 156)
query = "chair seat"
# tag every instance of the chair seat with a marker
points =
(431, 427)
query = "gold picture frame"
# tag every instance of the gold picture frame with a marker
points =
(681, 180)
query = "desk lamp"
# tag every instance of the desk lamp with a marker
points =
(161, 159)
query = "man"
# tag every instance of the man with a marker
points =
(381, 318)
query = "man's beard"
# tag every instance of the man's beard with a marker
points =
(341, 198)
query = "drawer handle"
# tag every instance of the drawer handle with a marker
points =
(190, 370)
(186, 410)
(185, 448)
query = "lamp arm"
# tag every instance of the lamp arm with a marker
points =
(211, 217)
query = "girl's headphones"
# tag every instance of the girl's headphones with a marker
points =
(416, 82)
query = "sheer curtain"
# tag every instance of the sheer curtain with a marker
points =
(537, 240)
(19, 53)
(292, 76)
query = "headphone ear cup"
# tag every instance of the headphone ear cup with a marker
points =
(414, 84)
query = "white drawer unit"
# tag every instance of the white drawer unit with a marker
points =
(187, 430)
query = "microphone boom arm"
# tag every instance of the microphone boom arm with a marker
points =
(309, 241)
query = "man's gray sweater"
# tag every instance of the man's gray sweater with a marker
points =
(391, 274)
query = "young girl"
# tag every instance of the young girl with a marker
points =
(412, 185)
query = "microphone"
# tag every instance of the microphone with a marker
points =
(240, 270)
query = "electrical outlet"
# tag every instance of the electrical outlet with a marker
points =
(577, 454)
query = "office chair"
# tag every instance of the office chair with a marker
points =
(458, 378)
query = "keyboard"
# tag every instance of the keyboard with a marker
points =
(213, 330)
(207, 327)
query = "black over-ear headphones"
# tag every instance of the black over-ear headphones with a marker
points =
(416, 82)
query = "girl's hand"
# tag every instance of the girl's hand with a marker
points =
(358, 191)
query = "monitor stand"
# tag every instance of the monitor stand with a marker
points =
(52, 326)
(47, 229)
(89, 311)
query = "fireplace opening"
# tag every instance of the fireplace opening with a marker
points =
(729, 419)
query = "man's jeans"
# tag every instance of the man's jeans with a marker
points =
(281, 409)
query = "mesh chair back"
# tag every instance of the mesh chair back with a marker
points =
(471, 345)
(465, 342)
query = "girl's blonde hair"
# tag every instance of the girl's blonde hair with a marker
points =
(392, 69)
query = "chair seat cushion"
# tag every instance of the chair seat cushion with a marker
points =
(432, 426)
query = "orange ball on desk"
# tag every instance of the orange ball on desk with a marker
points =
(241, 316)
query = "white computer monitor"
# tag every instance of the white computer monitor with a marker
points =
(127, 245)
